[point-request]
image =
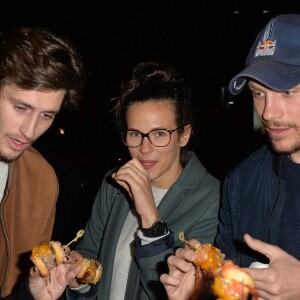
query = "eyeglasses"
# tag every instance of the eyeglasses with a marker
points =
(158, 137)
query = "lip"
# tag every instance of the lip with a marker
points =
(148, 164)
(17, 145)
(278, 132)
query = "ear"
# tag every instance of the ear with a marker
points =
(185, 136)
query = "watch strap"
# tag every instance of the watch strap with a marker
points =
(158, 228)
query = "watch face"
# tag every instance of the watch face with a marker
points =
(160, 229)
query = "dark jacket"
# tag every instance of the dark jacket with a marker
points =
(252, 202)
(27, 213)
(22, 292)
(191, 205)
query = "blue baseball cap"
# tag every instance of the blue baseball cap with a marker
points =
(274, 58)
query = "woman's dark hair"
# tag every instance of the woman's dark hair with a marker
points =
(37, 59)
(155, 82)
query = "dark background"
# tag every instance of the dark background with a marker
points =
(206, 41)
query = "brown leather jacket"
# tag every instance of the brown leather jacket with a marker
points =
(27, 213)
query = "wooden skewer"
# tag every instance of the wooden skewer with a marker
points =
(79, 234)
(181, 237)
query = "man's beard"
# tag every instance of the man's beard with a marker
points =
(287, 149)
(277, 142)
(8, 159)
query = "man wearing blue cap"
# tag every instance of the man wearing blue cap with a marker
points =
(261, 196)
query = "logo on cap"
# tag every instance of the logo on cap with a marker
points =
(265, 48)
(240, 86)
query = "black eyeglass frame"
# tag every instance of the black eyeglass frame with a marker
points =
(147, 136)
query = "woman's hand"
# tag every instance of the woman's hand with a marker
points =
(52, 286)
(135, 180)
(180, 282)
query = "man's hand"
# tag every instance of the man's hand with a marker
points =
(281, 279)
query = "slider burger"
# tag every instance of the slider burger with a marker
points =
(91, 271)
(46, 256)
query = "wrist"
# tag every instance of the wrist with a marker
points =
(157, 229)
(147, 220)
(27, 285)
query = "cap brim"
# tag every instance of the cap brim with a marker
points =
(274, 75)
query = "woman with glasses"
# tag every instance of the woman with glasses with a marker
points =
(164, 189)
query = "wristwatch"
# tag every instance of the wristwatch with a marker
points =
(158, 228)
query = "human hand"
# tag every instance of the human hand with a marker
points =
(180, 282)
(73, 257)
(52, 286)
(134, 178)
(281, 279)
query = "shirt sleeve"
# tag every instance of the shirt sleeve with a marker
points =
(155, 247)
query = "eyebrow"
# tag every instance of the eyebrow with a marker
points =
(156, 128)
(19, 101)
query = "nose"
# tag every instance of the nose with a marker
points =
(272, 107)
(28, 127)
(146, 145)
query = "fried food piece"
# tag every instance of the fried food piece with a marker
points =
(209, 258)
(233, 283)
(229, 282)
